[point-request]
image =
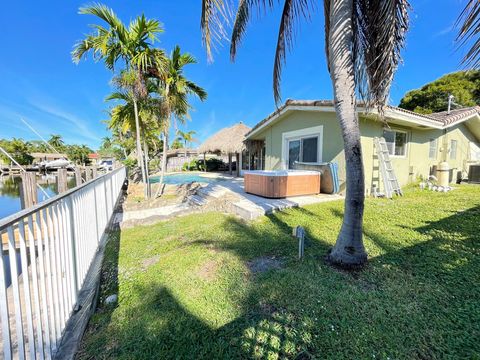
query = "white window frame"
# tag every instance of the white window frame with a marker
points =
(404, 156)
(315, 131)
(430, 148)
(452, 153)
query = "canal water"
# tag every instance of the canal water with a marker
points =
(10, 204)
(10, 192)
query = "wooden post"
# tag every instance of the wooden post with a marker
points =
(94, 172)
(28, 190)
(78, 177)
(237, 159)
(230, 163)
(205, 162)
(62, 180)
(88, 173)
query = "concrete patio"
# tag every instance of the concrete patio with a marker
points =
(250, 206)
(222, 193)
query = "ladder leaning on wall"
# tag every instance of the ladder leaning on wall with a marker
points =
(390, 182)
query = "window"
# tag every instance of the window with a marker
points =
(432, 152)
(302, 150)
(396, 142)
(453, 149)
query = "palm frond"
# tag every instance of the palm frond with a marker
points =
(470, 31)
(379, 31)
(242, 18)
(196, 90)
(292, 11)
(215, 18)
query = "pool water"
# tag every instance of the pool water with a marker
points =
(178, 179)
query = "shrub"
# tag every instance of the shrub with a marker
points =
(213, 164)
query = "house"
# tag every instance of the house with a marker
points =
(40, 156)
(308, 131)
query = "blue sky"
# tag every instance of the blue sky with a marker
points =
(40, 83)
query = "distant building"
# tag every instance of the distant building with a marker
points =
(39, 157)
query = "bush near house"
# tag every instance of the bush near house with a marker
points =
(213, 164)
(210, 286)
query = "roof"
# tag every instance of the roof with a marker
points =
(181, 151)
(227, 141)
(93, 156)
(436, 120)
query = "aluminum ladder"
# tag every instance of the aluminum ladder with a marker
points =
(390, 182)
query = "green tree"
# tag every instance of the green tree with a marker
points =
(433, 97)
(363, 40)
(57, 142)
(18, 149)
(174, 90)
(133, 45)
(79, 154)
(176, 144)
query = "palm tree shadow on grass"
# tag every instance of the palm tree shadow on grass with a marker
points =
(159, 326)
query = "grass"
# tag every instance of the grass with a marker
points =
(186, 289)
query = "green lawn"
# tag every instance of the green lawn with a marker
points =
(188, 290)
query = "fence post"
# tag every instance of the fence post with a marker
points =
(94, 172)
(28, 190)
(88, 173)
(62, 180)
(78, 177)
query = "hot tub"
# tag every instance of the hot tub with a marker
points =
(282, 183)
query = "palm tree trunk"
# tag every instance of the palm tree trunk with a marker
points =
(164, 164)
(348, 250)
(139, 145)
(147, 180)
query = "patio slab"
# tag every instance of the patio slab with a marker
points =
(249, 206)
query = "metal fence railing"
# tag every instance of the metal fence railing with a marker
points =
(46, 253)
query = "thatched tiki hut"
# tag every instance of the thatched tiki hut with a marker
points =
(228, 141)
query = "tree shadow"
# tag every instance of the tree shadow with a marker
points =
(435, 281)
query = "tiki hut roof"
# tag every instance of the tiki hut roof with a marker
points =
(226, 141)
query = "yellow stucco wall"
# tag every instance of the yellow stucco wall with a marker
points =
(416, 163)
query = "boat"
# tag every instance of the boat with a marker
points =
(56, 164)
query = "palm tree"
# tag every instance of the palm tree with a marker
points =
(363, 42)
(123, 120)
(186, 137)
(56, 141)
(470, 30)
(106, 142)
(132, 44)
(174, 89)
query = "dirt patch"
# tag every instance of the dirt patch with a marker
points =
(264, 263)
(208, 270)
(146, 263)
(173, 194)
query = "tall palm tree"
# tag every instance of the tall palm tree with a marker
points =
(56, 141)
(133, 45)
(123, 120)
(469, 21)
(174, 89)
(363, 41)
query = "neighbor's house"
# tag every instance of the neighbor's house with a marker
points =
(40, 156)
(308, 131)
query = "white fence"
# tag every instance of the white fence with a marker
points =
(46, 254)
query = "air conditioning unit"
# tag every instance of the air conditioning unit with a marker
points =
(474, 174)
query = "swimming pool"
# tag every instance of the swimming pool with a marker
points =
(178, 179)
